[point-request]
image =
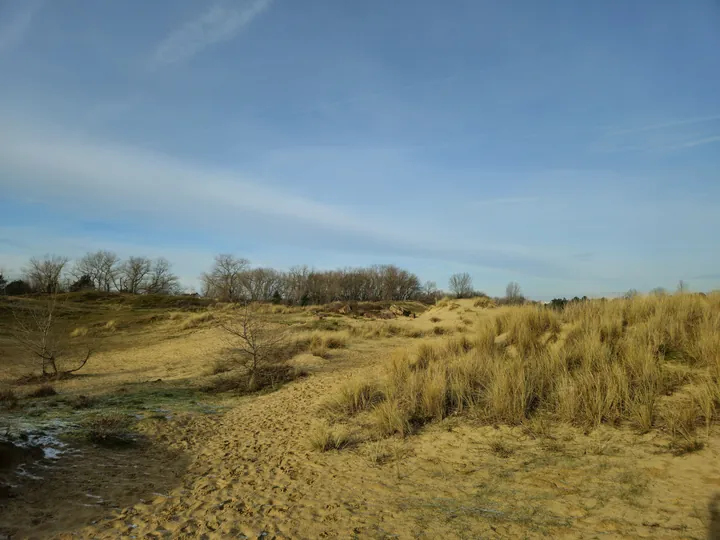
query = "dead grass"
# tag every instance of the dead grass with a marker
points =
(354, 396)
(501, 449)
(111, 326)
(618, 362)
(197, 320)
(379, 329)
(321, 343)
(80, 331)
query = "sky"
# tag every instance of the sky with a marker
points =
(573, 147)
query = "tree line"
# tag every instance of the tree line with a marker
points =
(233, 279)
(99, 270)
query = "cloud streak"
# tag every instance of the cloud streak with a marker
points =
(217, 25)
(14, 30)
(666, 125)
(112, 180)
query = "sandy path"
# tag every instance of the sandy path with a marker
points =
(254, 474)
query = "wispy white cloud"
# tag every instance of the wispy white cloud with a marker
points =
(219, 24)
(666, 125)
(695, 142)
(130, 185)
(17, 22)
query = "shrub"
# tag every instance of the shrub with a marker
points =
(435, 319)
(222, 365)
(83, 402)
(110, 429)
(45, 390)
(245, 382)
(8, 398)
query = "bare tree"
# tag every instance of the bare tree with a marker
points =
(161, 280)
(37, 331)
(101, 266)
(44, 274)
(224, 280)
(513, 295)
(132, 273)
(258, 344)
(259, 284)
(682, 287)
(461, 285)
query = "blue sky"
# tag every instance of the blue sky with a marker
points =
(571, 146)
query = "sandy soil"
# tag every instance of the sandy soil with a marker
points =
(249, 472)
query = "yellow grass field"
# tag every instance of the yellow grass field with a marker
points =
(465, 421)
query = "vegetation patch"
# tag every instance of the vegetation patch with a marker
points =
(110, 429)
(46, 390)
(592, 363)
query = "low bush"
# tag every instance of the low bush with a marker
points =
(110, 429)
(45, 390)
(8, 399)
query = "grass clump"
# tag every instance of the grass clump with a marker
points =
(197, 320)
(321, 344)
(80, 331)
(501, 449)
(354, 396)
(323, 437)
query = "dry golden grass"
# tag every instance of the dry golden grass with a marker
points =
(80, 331)
(354, 396)
(379, 329)
(323, 437)
(321, 343)
(650, 362)
(197, 320)
(111, 326)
